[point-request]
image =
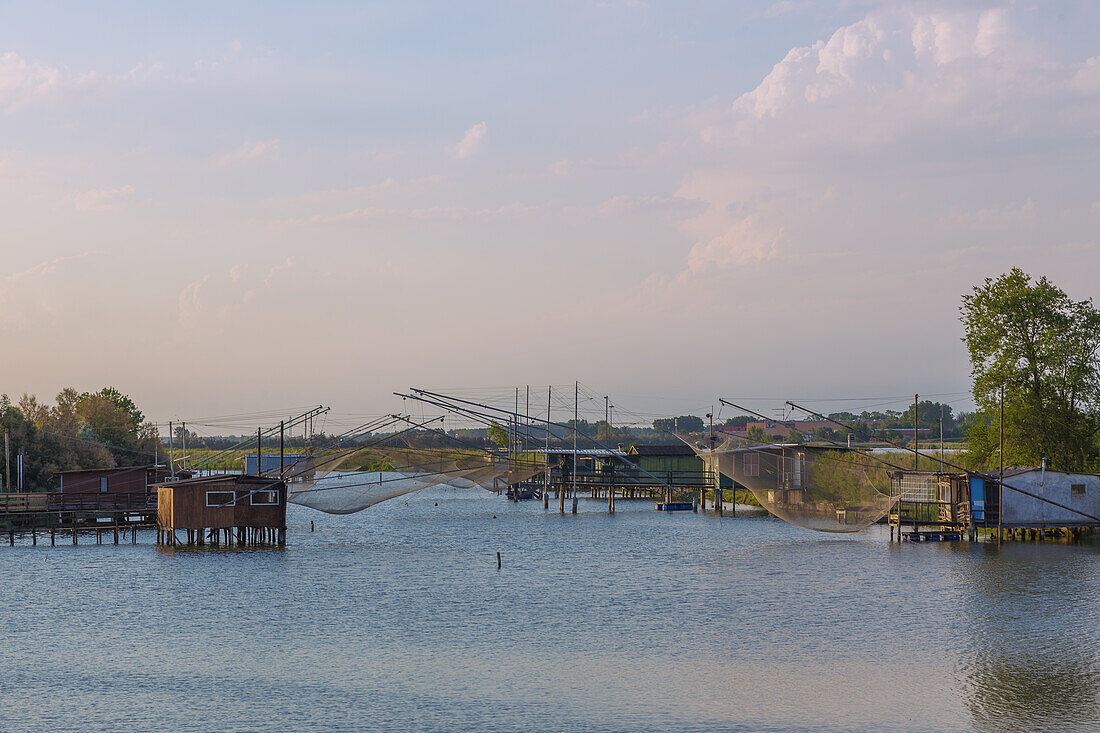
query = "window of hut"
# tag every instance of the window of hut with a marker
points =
(220, 498)
(265, 498)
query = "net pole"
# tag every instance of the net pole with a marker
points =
(576, 413)
(1001, 470)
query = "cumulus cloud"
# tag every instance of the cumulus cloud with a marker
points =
(251, 152)
(22, 82)
(218, 300)
(471, 142)
(104, 199)
(897, 89)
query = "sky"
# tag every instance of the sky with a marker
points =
(230, 207)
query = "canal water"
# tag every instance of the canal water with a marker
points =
(397, 618)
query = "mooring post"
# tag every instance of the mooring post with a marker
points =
(498, 559)
(52, 543)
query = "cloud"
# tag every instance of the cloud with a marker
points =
(251, 152)
(104, 199)
(862, 116)
(221, 296)
(29, 296)
(471, 142)
(22, 83)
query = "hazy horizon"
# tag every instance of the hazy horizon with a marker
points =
(226, 210)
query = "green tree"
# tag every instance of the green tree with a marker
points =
(1032, 340)
(681, 424)
(498, 434)
(755, 434)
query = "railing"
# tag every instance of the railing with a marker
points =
(631, 478)
(51, 501)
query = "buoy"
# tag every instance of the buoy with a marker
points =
(494, 516)
(437, 503)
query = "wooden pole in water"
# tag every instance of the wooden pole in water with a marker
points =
(546, 434)
(576, 414)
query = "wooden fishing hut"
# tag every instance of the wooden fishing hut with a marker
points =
(232, 508)
(1032, 501)
(119, 487)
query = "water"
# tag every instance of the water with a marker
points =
(398, 619)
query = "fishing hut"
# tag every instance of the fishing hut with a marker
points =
(120, 487)
(225, 509)
(1033, 502)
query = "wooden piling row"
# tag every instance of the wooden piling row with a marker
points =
(223, 537)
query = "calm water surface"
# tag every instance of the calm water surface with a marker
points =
(398, 619)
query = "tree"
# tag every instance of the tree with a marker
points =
(1032, 340)
(682, 424)
(498, 434)
(756, 434)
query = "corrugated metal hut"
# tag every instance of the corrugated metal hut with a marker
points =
(1077, 491)
(244, 509)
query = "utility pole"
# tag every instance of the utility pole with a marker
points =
(282, 455)
(183, 441)
(7, 461)
(576, 414)
(941, 436)
(916, 441)
(259, 452)
(527, 421)
(1001, 472)
(713, 473)
(171, 451)
(546, 434)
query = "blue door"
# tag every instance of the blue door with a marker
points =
(977, 498)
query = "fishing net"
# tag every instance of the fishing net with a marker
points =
(353, 491)
(343, 483)
(823, 488)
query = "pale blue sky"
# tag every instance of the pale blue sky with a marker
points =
(668, 199)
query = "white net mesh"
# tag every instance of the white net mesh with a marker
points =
(824, 488)
(344, 483)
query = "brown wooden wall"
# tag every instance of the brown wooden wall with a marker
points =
(182, 505)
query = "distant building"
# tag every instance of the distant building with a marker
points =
(296, 465)
(120, 487)
(663, 458)
(778, 429)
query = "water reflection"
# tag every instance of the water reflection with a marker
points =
(1028, 658)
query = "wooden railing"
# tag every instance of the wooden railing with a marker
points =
(50, 501)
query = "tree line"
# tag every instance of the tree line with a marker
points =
(79, 430)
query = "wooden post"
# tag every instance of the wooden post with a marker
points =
(498, 559)
(1001, 473)
(52, 538)
(916, 440)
